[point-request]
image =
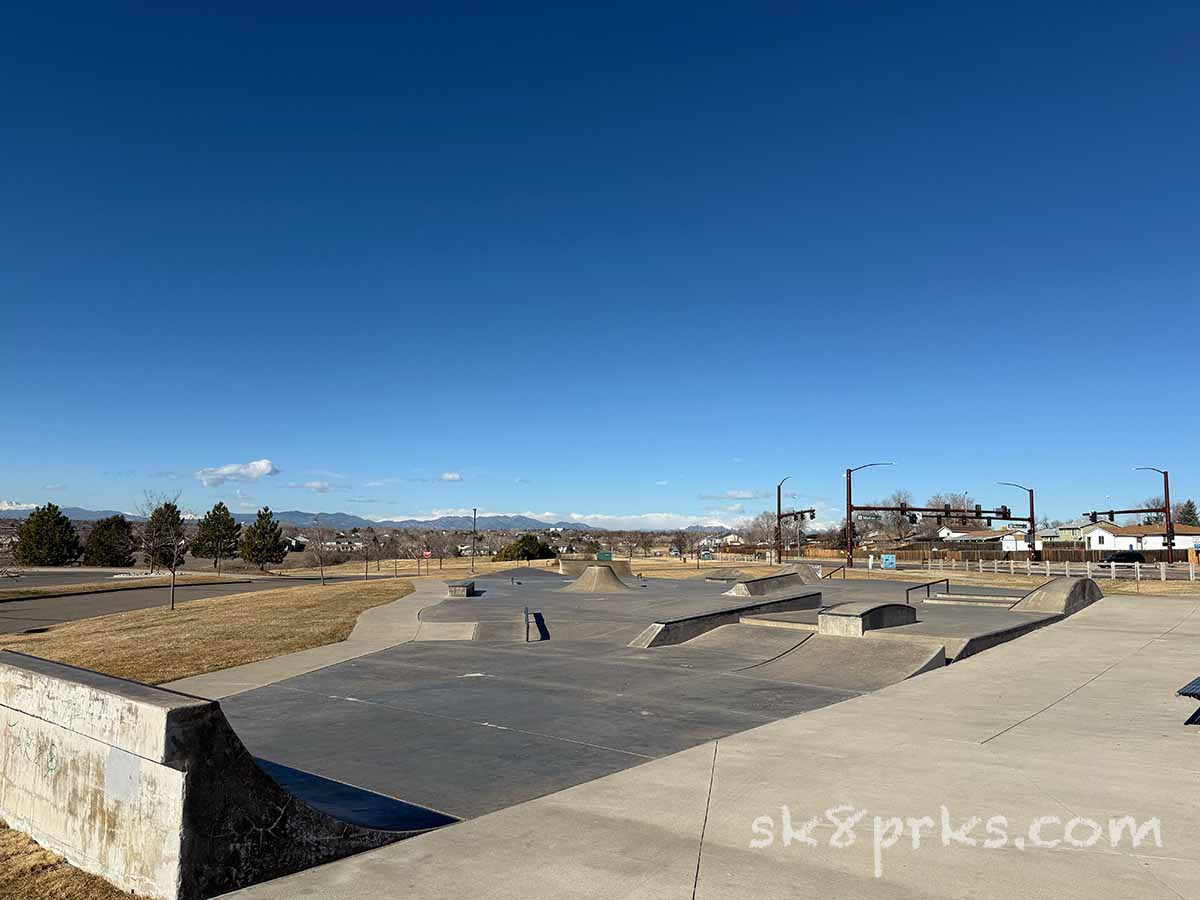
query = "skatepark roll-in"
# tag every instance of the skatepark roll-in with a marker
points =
(597, 580)
(150, 788)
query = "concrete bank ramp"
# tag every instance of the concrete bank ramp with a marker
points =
(149, 788)
(849, 663)
(805, 572)
(576, 567)
(786, 578)
(686, 628)
(1064, 596)
(597, 580)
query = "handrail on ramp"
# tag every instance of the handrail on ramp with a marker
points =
(917, 587)
(833, 572)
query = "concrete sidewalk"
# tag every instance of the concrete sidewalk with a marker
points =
(1077, 721)
(376, 629)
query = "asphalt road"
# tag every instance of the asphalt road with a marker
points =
(42, 612)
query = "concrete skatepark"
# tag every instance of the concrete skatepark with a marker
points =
(479, 722)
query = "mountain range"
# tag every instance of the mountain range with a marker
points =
(345, 521)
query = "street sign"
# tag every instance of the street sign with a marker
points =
(428, 554)
(871, 516)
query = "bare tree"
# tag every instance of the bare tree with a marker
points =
(8, 557)
(366, 549)
(955, 500)
(645, 541)
(681, 541)
(1154, 506)
(164, 535)
(896, 525)
(318, 545)
(760, 529)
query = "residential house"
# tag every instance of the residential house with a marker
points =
(1105, 536)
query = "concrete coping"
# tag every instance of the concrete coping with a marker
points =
(864, 607)
(462, 588)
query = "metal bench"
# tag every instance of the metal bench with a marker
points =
(1192, 691)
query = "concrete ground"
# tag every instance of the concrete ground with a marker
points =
(468, 727)
(1072, 724)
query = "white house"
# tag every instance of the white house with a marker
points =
(1106, 536)
(1010, 540)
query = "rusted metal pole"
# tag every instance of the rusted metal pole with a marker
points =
(1032, 528)
(849, 521)
(779, 524)
(1170, 535)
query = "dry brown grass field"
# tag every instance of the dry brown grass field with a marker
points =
(157, 645)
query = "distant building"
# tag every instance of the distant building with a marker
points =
(1105, 536)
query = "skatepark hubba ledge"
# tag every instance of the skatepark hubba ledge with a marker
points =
(150, 788)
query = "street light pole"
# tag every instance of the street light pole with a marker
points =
(779, 521)
(850, 510)
(474, 519)
(1169, 537)
(1032, 534)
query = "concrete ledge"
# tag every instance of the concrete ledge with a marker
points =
(855, 619)
(460, 588)
(148, 788)
(676, 631)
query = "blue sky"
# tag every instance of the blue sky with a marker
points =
(634, 261)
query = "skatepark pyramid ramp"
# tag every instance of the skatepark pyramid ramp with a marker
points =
(150, 788)
(597, 580)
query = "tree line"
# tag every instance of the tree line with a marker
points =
(48, 537)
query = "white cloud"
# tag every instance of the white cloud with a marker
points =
(251, 471)
(736, 495)
(375, 484)
(450, 476)
(13, 504)
(662, 483)
(655, 521)
(244, 501)
(317, 487)
(52, 487)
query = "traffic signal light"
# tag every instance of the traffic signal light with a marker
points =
(1092, 516)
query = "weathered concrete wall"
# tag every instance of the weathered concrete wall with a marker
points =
(855, 619)
(676, 631)
(148, 788)
(1065, 596)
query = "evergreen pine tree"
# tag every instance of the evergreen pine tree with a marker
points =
(109, 543)
(262, 542)
(47, 538)
(1187, 514)
(217, 536)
